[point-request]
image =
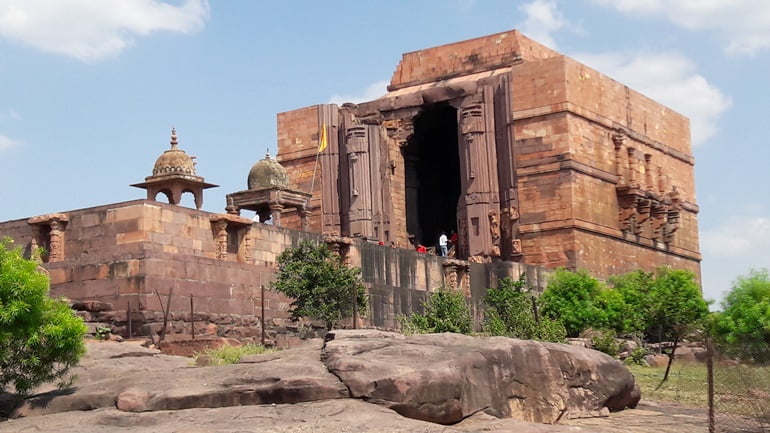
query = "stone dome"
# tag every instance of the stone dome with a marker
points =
(174, 161)
(268, 173)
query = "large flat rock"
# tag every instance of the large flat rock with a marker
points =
(445, 378)
(165, 383)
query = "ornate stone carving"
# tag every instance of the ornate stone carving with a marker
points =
(516, 248)
(618, 138)
(627, 213)
(471, 126)
(494, 225)
(643, 206)
(400, 130)
(221, 239)
(56, 254)
(48, 232)
(659, 218)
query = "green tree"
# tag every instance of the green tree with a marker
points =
(40, 338)
(511, 312)
(321, 285)
(676, 307)
(574, 298)
(631, 307)
(445, 310)
(744, 324)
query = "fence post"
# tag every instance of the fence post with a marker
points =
(710, 367)
(192, 317)
(128, 315)
(262, 313)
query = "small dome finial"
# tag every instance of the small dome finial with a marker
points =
(174, 142)
(267, 153)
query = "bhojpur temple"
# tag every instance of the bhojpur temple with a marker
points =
(530, 158)
(529, 155)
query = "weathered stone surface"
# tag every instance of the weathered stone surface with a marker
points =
(445, 378)
(92, 306)
(189, 347)
(164, 382)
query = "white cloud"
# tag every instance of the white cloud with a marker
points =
(743, 25)
(90, 30)
(740, 235)
(731, 249)
(669, 78)
(372, 91)
(7, 143)
(542, 19)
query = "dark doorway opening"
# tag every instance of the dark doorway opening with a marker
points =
(432, 164)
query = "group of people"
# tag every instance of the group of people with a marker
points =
(445, 243)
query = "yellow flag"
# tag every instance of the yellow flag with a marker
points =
(323, 142)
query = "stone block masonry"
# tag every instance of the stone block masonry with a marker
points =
(127, 269)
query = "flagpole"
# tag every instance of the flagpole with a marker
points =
(321, 146)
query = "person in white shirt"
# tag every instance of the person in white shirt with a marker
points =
(442, 244)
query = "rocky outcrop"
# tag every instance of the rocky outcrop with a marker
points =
(444, 378)
(441, 378)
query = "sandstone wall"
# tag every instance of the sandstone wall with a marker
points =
(127, 259)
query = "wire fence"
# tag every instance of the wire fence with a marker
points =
(735, 397)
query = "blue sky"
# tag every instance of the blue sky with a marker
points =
(89, 89)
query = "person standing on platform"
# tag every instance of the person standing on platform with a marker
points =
(442, 244)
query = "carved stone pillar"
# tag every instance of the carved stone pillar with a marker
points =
(478, 166)
(632, 178)
(304, 215)
(673, 217)
(275, 213)
(57, 242)
(662, 181)
(220, 238)
(650, 185)
(359, 171)
(618, 139)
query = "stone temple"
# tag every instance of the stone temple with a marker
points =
(529, 155)
(534, 160)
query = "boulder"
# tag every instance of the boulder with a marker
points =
(444, 378)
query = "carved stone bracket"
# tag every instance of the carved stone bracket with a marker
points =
(456, 275)
(340, 246)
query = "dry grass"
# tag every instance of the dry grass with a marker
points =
(738, 390)
(230, 354)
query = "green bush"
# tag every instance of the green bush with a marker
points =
(445, 310)
(40, 338)
(321, 285)
(513, 313)
(574, 299)
(743, 327)
(604, 340)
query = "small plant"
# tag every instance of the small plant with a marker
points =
(604, 341)
(102, 333)
(636, 356)
(227, 354)
(446, 310)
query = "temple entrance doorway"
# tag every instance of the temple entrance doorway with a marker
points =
(432, 164)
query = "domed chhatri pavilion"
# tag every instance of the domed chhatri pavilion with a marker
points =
(269, 194)
(173, 175)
